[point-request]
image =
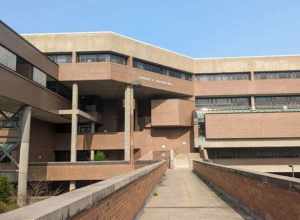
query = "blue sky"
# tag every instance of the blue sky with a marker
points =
(198, 28)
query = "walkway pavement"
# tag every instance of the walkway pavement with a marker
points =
(182, 195)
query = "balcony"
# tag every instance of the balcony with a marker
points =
(64, 171)
(103, 71)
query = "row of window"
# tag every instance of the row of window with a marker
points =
(240, 103)
(277, 75)
(140, 64)
(246, 76)
(222, 76)
(89, 58)
(270, 152)
(26, 69)
(84, 57)
(120, 59)
(277, 102)
(224, 103)
(101, 57)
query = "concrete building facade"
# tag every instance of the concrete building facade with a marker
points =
(101, 91)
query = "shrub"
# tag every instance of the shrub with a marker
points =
(99, 156)
(5, 189)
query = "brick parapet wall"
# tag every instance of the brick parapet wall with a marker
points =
(126, 202)
(265, 195)
(120, 197)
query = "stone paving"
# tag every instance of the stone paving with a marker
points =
(182, 195)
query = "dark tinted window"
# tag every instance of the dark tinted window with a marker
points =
(223, 103)
(277, 75)
(277, 102)
(222, 76)
(101, 57)
(140, 64)
(61, 58)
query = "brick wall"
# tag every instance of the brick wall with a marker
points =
(120, 197)
(265, 195)
(126, 202)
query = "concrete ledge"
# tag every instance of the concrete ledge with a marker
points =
(70, 204)
(79, 163)
(265, 195)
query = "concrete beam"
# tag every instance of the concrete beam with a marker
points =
(80, 113)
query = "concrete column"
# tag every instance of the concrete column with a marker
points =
(196, 133)
(252, 75)
(130, 61)
(136, 117)
(74, 57)
(24, 157)
(129, 122)
(92, 152)
(74, 127)
(252, 103)
(132, 105)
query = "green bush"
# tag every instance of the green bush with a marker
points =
(99, 156)
(5, 189)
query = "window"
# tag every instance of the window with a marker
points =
(223, 103)
(277, 102)
(7, 58)
(39, 77)
(24, 68)
(57, 87)
(101, 57)
(60, 58)
(222, 76)
(144, 65)
(270, 152)
(277, 75)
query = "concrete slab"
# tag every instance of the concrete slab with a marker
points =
(182, 195)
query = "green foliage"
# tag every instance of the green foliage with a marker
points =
(99, 156)
(7, 200)
(5, 189)
(10, 205)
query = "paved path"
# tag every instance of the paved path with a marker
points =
(182, 195)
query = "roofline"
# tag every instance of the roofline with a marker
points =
(245, 57)
(27, 42)
(113, 33)
(158, 47)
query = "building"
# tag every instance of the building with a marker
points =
(69, 95)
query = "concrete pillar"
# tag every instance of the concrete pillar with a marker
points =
(74, 57)
(92, 152)
(252, 103)
(136, 117)
(129, 122)
(74, 127)
(24, 157)
(196, 133)
(130, 61)
(252, 75)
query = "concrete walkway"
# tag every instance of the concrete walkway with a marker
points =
(182, 195)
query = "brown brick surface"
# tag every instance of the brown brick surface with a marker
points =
(126, 202)
(263, 197)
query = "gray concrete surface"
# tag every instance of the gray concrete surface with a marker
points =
(182, 195)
